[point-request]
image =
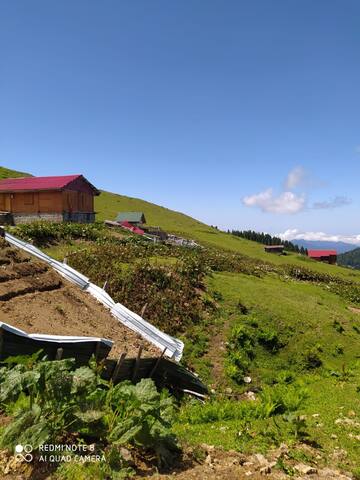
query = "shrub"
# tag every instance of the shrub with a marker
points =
(46, 233)
(338, 326)
(268, 338)
(311, 359)
(171, 293)
(282, 399)
(237, 365)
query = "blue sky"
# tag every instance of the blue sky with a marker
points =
(202, 106)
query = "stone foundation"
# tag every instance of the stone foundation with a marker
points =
(78, 217)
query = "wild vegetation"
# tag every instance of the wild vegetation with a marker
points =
(276, 338)
(56, 403)
(44, 234)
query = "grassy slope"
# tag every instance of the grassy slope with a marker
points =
(109, 204)
(308, 313)
(308, 309)
(7, 173)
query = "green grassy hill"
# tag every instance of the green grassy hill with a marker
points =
(7, 173)
(288, 328)
(109, 204)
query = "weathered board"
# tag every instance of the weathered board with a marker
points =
(165, 373)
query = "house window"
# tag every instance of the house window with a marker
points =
(29, 199)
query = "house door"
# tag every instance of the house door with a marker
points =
(5, 202)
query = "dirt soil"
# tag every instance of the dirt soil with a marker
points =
(36, 299)
(204, 462)
(218, 464)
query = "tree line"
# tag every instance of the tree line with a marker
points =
(267, 239)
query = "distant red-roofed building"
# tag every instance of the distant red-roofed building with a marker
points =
(68, 198)
(327, 256)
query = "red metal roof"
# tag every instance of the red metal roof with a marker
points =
(39, 183)
(321, 253)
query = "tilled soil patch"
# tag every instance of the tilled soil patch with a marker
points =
(35, 298)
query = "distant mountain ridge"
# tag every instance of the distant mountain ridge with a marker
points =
(340, 247)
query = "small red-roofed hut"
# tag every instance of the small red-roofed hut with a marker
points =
(327, 256)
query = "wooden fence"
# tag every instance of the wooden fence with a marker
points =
(164, 372)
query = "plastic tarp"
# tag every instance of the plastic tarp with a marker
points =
(173, 346)
(54, 338)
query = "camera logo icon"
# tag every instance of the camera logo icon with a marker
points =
(23, 453)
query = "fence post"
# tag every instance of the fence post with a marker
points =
(137, 364)
(117, 367)
(157, 363)
(59, 353)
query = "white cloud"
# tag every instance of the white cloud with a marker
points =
(286, 202)
(295, 178)
(294, 234)
(339, 201)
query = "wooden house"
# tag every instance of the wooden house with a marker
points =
(279, 249)
(137, 219)
(67, 198)
(327, 256)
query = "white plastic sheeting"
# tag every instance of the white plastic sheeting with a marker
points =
(54, 338)
(174, 347)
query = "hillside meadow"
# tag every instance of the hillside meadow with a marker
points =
(275, 338)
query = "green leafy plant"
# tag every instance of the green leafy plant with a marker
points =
(54, 400)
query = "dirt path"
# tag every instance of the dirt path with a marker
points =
(217, 351)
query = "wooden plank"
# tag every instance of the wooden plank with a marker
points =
(117, 366)
(137, 364)
(142, 313)
(97, 350)
(1, 341)
(59, 353)
(157, 363)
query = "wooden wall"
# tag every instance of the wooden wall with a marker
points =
(77, 201)
(47, 202)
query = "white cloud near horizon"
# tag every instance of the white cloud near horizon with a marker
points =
(295, 234)
(286, 202)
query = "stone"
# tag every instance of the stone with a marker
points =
(305, 469)
(250, 396)
(261, 459)
(330, 474)
(265, 470)
(247, 379)
(126, 454)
